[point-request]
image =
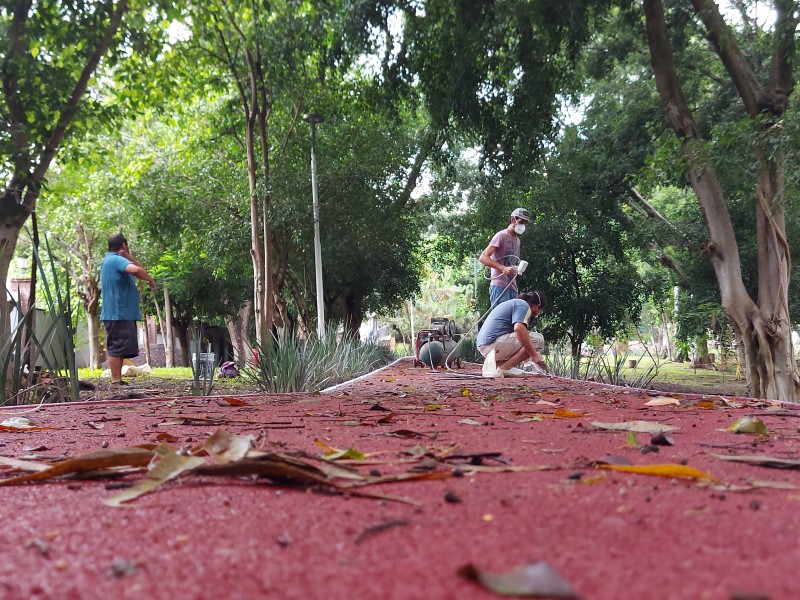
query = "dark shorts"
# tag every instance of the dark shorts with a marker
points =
(121, 339)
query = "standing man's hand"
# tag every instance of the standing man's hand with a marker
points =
(152, 283)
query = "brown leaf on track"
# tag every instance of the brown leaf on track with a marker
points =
(224, 446)
(662, 401)
(535, 580)
(507, 468)
(611, 459)
(167, 438)
(665, 470)
(169, 466)
(24, 465)
(763, 461)
(380, 407)
(387, 419)
(563, 413)
(234, 401)
(30, 428)
(278, 467)
(405, 433)
(650, 427)
(521, 419)
(704, 404)
(94, 461)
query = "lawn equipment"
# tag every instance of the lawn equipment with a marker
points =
(433, 345)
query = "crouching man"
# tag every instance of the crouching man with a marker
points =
(504, 339)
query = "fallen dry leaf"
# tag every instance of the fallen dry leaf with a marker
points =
(234, 401)
(532, 580)
(167, 467)
(563, 413)
(665, 470)
(94, 461)
(663, 401)
(650, 427)
(749, 425)
(763, 461)
(224, 446)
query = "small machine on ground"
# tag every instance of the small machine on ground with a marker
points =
(434, 344)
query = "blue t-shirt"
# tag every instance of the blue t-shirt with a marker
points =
(119, 293)
(502, 319)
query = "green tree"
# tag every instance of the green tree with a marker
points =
(763, 325)
(50, 53)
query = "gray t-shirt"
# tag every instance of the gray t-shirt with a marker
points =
(502, 319)
(507, 254)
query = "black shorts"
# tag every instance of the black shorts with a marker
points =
(121, 339)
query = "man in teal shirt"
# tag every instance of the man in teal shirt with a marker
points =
(121, 307)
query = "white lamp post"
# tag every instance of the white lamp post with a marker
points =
(315, 118)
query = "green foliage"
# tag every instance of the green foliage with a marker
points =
(287, 363)
(20, 381)
(203, 370)
(603, 366)
(468, 349)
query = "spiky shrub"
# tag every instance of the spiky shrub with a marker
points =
(286, 363)
(559, 361)
(468, 350)
(19, 381)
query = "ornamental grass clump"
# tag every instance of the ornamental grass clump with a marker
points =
(22, 380)
(287, 363)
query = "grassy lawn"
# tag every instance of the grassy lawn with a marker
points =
(682, 377)
(672, 376)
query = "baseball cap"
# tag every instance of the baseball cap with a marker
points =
(521, 213)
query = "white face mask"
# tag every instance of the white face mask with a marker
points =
(519, 229)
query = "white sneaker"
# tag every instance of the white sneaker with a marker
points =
(490, 365)
(514, 372)
(532, 368)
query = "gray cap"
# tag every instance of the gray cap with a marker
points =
(521, 213)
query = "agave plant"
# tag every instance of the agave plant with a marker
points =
(286, 363)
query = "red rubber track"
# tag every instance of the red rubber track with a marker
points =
(612, 535)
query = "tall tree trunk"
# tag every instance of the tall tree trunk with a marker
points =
(167, 332)
(237, 330)
(95, 355)
(763, 328)
(183, 338)
(146, 336)
(353, 317)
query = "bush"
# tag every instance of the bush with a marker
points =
(286, 363)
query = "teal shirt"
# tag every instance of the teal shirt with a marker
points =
(119, 293)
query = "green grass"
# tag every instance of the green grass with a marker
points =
(680, 375)
(162, 376)
(720, 381)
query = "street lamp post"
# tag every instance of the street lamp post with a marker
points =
(315, 118)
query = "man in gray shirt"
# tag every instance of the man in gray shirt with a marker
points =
(502, 255)
(504, 339)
